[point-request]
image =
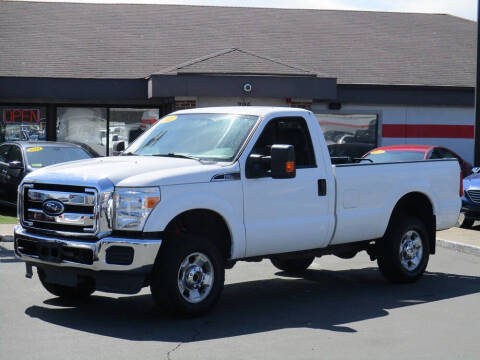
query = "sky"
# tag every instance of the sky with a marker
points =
(462, 8)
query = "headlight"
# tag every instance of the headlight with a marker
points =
(133, 206)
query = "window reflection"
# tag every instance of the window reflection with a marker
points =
(349, 135)
(126, 124)
(86, 126)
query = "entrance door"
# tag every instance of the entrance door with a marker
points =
(283, 215)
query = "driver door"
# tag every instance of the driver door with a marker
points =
(283, 215)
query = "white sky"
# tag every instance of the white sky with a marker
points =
(463, 8)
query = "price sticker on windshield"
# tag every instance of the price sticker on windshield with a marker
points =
(168, 119)
(377, 152)
(35, 149)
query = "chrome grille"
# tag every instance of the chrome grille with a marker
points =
(474, 195)
(79, 209)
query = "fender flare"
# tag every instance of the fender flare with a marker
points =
(166, 211)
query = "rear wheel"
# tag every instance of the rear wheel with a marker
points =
(404, 252)
(188, 276)
(292, 265)
(80, 292)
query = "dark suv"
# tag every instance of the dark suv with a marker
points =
(18, 158)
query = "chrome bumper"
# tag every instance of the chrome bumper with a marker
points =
(145, 251)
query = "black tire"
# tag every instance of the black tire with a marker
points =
(80, 292)
(465, 222)
(404, 229)
(167, 271)
(297, 265)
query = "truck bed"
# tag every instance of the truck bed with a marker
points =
(366, 193)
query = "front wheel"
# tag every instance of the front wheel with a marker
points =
(404, 251)
(188, 276)
(465, 222)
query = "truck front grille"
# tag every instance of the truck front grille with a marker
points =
(76, 207)
(474, 195)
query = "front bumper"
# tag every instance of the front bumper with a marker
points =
(97, 256)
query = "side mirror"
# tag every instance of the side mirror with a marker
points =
(17, 165)
(119, 147)
(476, 170)
(283, 162)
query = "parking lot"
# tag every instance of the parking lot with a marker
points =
(339, 309)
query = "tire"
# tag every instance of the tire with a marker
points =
(465, 222)
(80, 292)
(404, 251)
(188, 276)
(292, 265)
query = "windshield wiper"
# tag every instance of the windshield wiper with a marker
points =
(182, 156)
(129, 154)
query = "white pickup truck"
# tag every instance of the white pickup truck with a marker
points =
(205, 188)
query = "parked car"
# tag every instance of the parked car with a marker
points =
(470, 200)
(408, 152)
(18, 158)
(205, 188)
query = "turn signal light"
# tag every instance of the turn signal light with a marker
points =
(290, 167)
(151, 201)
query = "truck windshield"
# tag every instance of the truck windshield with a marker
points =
(216, 137)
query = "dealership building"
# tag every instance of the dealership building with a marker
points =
(102, 73)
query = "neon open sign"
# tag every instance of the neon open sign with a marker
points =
(21, 116)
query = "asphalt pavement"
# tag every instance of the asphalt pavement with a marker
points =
(340, 309)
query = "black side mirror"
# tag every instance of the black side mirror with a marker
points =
(119, 147)
(283, 162)
(476, 170)
(17, 165)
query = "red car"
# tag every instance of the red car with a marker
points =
(396, 153)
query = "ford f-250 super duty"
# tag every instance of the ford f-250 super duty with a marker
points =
(205, 188)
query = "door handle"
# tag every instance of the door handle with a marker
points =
(322, 187)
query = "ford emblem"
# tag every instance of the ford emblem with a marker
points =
(53, 207)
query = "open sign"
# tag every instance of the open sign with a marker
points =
(21, 116)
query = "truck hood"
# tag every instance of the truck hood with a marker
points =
(128, 171)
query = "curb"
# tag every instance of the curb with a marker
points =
(6, 238)
(460, 247)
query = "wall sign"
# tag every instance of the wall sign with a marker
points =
(21, 116)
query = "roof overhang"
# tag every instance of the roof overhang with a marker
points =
(277, 86)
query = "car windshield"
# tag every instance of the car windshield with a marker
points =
(216, 137)
(41, 156)
(394, 155)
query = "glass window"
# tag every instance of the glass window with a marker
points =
(40, 156)
(126, 124)
(15, 154)
(4, 152)
(216, 137)
(349, 135)
(22, 123)
(86, 125)
(289, 131)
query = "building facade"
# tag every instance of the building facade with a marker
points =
(101, 74)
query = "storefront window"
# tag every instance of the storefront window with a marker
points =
(126, 124)
(19, 123)
(349, 135)
(87, 126)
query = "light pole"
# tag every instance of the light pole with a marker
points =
(477, 95)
